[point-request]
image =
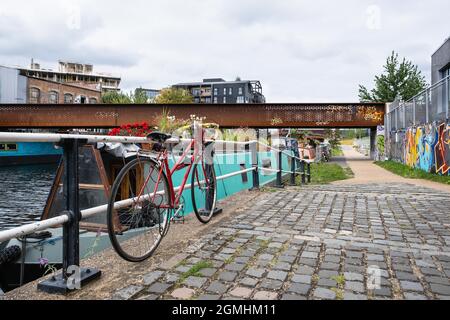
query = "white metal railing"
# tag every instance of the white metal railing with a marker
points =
(86, 213)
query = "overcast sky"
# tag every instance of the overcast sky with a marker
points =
(301, 51)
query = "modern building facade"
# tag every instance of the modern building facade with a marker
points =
(218, 90)
(79, 74)
(151, 93)
(440, 62)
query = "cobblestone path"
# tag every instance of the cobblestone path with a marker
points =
(372, 241)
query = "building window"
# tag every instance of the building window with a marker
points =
(240, 99)
(240, 91)
(195, 92)
(197, 100)
(53, 97)
(230, 91)
(93, 100)
(216, 92)
(207, 100)
(224, 91)
(35, 95)
(224, 99)
(68, 98)
(215, 99)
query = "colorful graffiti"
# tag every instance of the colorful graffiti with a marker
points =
(424, 147)
(442, 149)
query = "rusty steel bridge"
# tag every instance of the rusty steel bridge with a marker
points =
(267, 115)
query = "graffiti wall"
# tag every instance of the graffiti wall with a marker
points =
(424, 147)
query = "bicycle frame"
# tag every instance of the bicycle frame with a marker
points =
(180, 164)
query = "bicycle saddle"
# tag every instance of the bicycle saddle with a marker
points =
(158, 136)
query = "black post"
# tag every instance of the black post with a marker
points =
(302, 171)
(373, 141)
(255, 172)
(293, 173)
(72, 276)
(308, 171)
(279, 182)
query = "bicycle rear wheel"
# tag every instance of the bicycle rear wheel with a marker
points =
(138, 209)
(203, 191)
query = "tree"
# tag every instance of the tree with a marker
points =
(116, 98)
(174, 96)
(138, 97)
(400, 80)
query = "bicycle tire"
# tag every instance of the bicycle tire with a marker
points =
(113, 235)
(203, 215)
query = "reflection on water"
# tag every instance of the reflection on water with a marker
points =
(23, 193)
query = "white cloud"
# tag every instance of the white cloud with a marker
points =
(300, 50)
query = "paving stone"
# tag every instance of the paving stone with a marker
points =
(227, 276)
(208, 272)
(405, 276)
(277, 275)
(159, 287)
(282, 266)
(208, 297)
(183, 269)
(235, 267)
(323, 293)
(353, 296)
(301, 278)
(196, 282)
(440, 289)
(241, 292)
(411, 286)
(127, 292)
(287, 258)
(351, 276)
(171, 278)
(267, 257)
(151, 277)
(217, 287)
(383, 291)
(288, 296)
(414, 296)
(248, 282)
(354, 286)
(257, 273)
(265, 295)
(299, 288)
(182, 293)
(148, 297)
(271, 284)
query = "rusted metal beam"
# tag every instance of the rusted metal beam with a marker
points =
(268, 115)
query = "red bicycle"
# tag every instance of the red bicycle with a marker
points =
(144, 200)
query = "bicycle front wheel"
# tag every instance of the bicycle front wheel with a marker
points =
(203, 191)
(138, 209)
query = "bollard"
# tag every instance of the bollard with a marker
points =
(293, 174)
(308, 171)
(302, 168)
(279, 182)
(72, 276)
(255, 173)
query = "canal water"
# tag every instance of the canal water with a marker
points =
(23, 193)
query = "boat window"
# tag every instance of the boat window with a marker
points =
(11, 147)
(2, 147)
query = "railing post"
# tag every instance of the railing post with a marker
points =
(255, 172)
(279, 182)
(303, 173)
(72, 276)
(308, 171)
(293, 173)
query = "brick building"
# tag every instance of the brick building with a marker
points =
(46, 91)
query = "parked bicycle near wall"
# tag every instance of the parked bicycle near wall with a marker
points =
(144, 200)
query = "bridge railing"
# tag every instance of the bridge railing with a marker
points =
(72, 215)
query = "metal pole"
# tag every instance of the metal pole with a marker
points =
(255, 173)
(414, 111)
(292, 182)
(308, 171)
(72, 276)
(302, 169)
(426, 106)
